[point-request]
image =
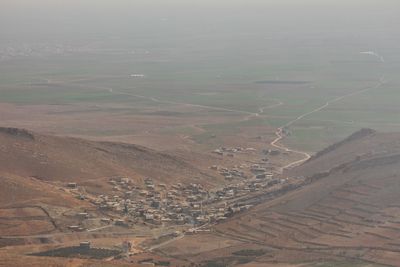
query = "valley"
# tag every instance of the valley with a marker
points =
(199, 133)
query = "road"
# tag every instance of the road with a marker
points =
(182, 235)
(277, 142)
(99, 228)
(262, 109)
(154, 99)
(279, 132)
(306, 156)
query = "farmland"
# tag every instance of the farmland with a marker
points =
(201, 83)
(200, 137)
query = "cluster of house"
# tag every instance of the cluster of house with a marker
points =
(179, 204)
(230, 174)
(258, 171)
(230, 151)
(155, 204)
(244, 188)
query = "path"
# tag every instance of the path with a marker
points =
(182, 103)
(262, 109)
(280, 135)
(182, 235)
(100, 228)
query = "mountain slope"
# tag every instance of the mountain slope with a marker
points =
(348, 210)
(35, 169)
(64, 159)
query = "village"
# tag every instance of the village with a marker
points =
(190, 205)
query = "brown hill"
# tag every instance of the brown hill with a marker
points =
(348, 211)
(34, 169)
(28, 206)
(50, 158)
(22, 191)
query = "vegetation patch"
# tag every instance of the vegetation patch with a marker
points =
(78, 252)
(250, 252)
(228, 261)
(157, 263)
(214, 264)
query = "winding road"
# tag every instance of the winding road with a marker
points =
(249, 115)
(306, 156)
(279, 133)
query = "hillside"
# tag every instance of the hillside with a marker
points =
(35, 169)
(63, 159)
(348, 211)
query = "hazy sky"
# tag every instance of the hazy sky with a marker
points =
(44, 18)
(223, 3)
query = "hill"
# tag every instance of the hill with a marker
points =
(347, 212)
(62, 159)
(35, 169)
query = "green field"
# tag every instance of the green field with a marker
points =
(239, 70)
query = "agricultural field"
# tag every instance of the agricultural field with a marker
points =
(223, 87)
(204, 134)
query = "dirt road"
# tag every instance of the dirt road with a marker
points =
(249, 115)
(306, 156)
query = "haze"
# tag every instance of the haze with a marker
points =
(75, 19)
(200, 133)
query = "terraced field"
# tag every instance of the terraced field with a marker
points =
(350, 212)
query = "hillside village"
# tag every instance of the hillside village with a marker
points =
(191, 205)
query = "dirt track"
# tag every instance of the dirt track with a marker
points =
(280, 136)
